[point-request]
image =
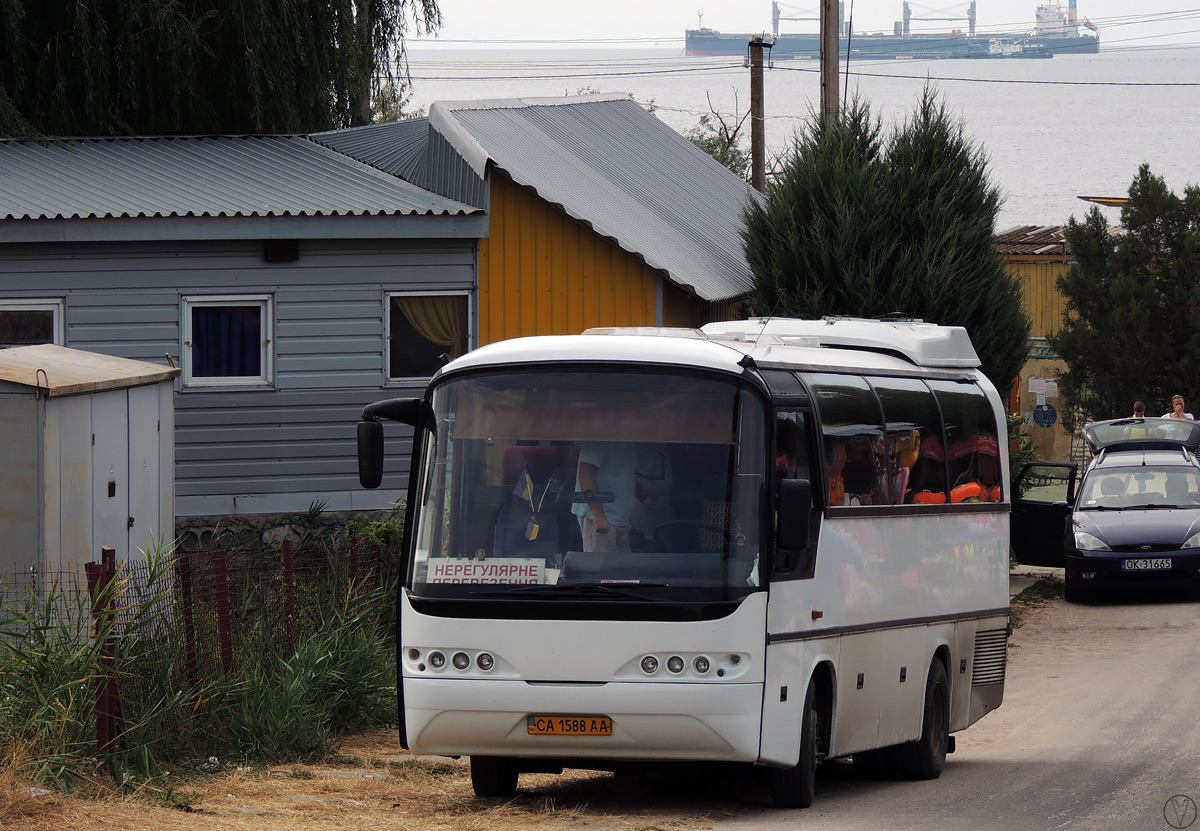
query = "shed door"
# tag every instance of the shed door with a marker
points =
(110, 472)
(145, 488)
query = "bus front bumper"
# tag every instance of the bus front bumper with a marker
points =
(650, 721)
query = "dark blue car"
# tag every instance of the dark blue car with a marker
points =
(1134, 516)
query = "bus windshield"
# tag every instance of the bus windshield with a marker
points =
(590, 484)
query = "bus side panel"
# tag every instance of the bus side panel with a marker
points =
(789, 666)
(960, 674)
(889, 588)
(860, 683)
(907, 658)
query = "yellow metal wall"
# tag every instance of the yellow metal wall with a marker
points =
(1043, 303)
(1044, 306)
(543, 273)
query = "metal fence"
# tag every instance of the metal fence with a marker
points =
(208, 612)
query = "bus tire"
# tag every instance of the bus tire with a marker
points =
(795, 787)
(492, 776)
(925, 757)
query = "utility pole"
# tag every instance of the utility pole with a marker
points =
(829, 59)
(758, 133)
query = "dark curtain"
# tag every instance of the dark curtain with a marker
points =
(226, 341)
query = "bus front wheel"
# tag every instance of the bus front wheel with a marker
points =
(925, 758)
(795, 787)
(492, 776)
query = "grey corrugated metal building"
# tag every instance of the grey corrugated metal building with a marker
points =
(291, 284)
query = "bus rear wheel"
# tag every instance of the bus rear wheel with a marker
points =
(925, 757)
(795, 787)
(492, 776)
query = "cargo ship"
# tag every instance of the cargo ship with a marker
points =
(1058, 31)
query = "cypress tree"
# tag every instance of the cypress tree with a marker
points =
(1131, 326)
(856, 225)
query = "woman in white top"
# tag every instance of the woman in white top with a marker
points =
(1177, 409)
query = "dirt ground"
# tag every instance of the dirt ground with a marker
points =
(375, 785)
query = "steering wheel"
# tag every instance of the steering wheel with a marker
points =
(668, 535)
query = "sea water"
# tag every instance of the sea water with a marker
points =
(1052, 129)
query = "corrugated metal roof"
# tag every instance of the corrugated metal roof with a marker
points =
(607, 162)
(397, 147)
(1041, 240)
(232, 176)
(60, 370)
(412, 150)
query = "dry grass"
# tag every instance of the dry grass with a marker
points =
(21, 804)
(375, 785)
(1034, 596)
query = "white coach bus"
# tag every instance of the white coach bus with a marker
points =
(768, 541)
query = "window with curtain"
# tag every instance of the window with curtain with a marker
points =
(424, 332)
(227, 341)
(30, 322)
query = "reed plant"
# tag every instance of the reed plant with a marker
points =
(271, 705)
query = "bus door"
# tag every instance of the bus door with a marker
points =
(1041, 511)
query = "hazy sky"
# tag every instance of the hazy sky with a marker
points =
(641, 22)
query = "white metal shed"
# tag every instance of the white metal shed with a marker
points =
(86, 457)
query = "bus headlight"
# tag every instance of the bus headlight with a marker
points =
(437, 660)
(649, 665)
(484, 661)
(675, 664)
(700, 665)
(461, 660)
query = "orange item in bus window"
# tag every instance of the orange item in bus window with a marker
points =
(970, 492)
(930, 498)
(835, 461)
(837, 489)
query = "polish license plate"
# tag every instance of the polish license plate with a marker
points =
(569, 725)
(1147, 564)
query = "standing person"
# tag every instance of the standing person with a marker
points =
(1139, 409)
(1177, 409)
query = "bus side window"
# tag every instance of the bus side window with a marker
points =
(914, 441)
(853, 435)
(795, 553)
(972, 443)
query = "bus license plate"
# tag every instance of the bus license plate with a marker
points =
(1158, 564)
(569, 725)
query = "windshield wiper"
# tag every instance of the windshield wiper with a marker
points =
(589, 591)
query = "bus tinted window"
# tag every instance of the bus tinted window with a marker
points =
(852, 430)
(972, 443)
(914, 441)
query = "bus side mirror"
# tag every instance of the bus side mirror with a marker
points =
(410, 411)
(370, 453)
(795, 507)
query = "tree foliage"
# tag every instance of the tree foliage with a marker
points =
(720, 136)
(157, 67)
(1131, 327)
(856, 223)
